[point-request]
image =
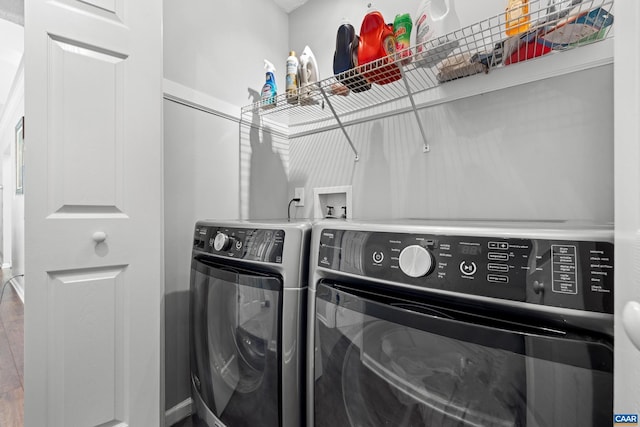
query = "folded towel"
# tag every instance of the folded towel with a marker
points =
(458, 66)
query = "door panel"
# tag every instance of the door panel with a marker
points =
(98, 89)
(108, 5)
(109, 9)
(93, 108)
(87, 338)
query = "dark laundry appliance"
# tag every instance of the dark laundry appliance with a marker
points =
(247, 322)
(460, 323)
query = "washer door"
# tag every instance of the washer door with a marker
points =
(389, 362)
(235, 319)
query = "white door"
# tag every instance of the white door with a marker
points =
(93, 80)
(627, 209)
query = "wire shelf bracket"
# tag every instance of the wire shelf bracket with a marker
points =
(342, 128)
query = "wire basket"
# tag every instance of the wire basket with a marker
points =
(546, 27)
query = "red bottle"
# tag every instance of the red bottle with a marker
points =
(377, 42)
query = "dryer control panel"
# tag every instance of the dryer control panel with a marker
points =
(253, 244)
(561, 273)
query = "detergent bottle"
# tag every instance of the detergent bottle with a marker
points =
(269, 90)
(402, 26)
(377, 46)
(308, 72)
(345, 61)
(435, 24)
(517, 17)
(292, 78)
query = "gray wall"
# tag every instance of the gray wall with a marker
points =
(540, 151)
(215, 50)
(201, 181)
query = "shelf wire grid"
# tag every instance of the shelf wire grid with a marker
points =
(552, 26)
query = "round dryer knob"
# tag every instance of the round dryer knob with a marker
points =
(222, 242)
(415, 261)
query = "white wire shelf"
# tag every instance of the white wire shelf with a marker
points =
(410, 76)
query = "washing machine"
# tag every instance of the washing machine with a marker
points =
(247, 322)
(460, 323)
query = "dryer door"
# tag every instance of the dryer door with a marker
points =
(235, 318)
(390, 361)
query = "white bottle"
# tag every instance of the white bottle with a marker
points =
(291, 85)
(308, 72)
(436, 19)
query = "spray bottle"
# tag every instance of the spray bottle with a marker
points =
(308, 72)
(270, 89)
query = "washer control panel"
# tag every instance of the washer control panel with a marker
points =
(561, 273)
(251, 244)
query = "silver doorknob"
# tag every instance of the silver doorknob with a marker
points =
(99, 236)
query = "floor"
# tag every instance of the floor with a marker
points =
(12, 362)
(11, 359)
(192, 421)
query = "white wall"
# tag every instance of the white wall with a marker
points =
(538, 151)
(13, 224)
(218, 47)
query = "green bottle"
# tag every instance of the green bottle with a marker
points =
(402, 26)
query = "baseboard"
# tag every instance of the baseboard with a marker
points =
(178, 413)
(19, 290)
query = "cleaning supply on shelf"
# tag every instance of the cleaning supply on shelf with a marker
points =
(458, 66)
(583, 27)
(345, 61)
(376, 51)
(269, 96)
(291, 81)
(435, 25)
(523, 47)
(517, 17)
(308, 72)
(402, 26)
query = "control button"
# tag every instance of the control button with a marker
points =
(468, 268)
(378, 257)
(496, 256)
(496, 278)
(500, 268)
(238, 244)
(415, 261)
(222, 242)
(503, 246)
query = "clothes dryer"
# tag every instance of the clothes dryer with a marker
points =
(247, 308)
(434, 323)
